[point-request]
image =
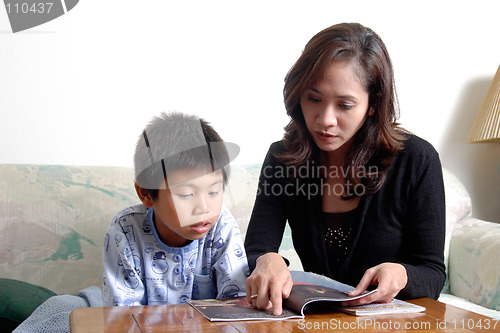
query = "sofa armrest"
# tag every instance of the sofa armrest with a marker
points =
(474, 263)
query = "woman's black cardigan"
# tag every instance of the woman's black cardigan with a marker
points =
(403, 222)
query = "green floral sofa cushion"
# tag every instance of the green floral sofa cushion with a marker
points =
(53, 219)
(474, 267)
(458, 207)
(52, 222)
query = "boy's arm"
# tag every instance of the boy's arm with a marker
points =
(122, 284)
(231, 266)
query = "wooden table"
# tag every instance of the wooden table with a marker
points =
(438, 317)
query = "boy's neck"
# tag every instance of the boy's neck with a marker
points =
(168, 237)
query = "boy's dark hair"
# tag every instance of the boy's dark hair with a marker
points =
(176, 141)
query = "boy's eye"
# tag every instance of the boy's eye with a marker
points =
(213, 193)
(185, 196)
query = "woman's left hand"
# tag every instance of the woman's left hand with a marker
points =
(390, 278)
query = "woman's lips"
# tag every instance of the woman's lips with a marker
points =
(324, 136)
(201, 227)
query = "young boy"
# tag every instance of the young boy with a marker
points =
(180, 243)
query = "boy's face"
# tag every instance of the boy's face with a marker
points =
(189, 207)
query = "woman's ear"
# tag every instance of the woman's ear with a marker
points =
(371, 111)
(144, 195)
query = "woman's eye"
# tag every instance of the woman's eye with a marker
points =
(314, 99)
(346, 107)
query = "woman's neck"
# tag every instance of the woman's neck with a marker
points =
(337, 157)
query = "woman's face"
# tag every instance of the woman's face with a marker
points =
(335, 107)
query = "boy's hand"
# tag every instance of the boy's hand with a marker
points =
(269, 283)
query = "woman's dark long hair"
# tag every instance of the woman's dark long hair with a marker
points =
(379, 138)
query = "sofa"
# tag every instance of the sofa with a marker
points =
(53, 219)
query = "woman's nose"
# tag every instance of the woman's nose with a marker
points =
(327, 117)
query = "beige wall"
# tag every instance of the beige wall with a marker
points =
(79, 89)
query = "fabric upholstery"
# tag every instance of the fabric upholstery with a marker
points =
(18, 300)
(474, 267)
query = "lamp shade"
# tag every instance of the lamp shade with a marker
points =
(486, 126)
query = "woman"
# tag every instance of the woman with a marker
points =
(364, 198)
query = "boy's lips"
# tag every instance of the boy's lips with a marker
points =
(201, 227)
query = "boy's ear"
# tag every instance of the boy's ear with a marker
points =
(144, 196)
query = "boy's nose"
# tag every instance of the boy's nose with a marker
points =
(201, 205)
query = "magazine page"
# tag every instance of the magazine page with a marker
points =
(234, 309)
(304, 294)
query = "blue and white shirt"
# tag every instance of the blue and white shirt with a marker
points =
(139, 269)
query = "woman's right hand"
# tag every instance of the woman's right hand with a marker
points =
(270, 281)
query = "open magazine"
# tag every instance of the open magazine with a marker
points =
(303, 298)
